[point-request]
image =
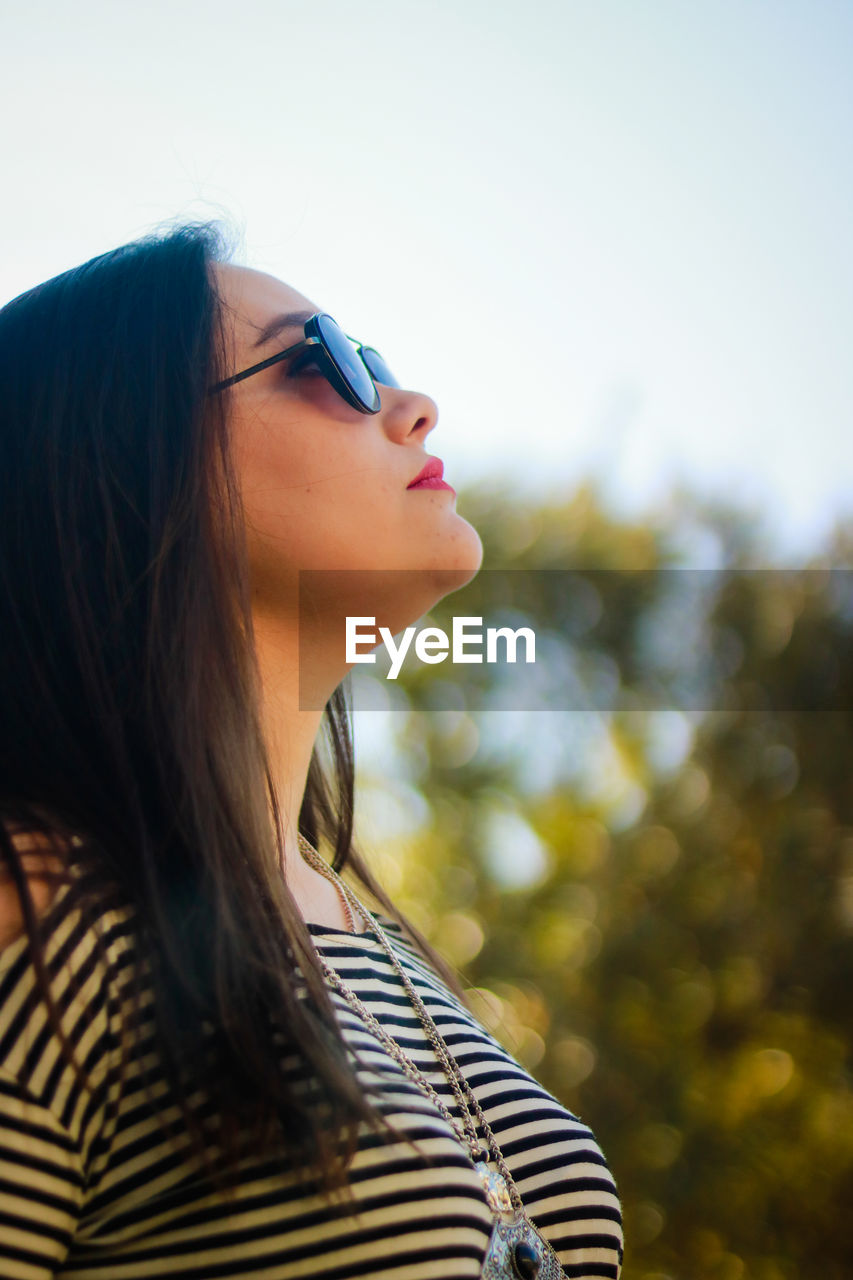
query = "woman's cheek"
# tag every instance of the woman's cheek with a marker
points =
(317, 396)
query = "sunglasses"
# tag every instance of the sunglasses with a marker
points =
(350, 368)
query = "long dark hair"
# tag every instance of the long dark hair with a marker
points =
(129, 690)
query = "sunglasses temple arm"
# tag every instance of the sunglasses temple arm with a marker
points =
(265, 364)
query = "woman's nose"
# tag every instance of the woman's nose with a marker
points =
(405, 413)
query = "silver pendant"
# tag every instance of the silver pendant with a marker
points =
(517, 1252)
(516, 1249)
(495, 1187)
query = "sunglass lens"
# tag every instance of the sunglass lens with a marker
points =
(378, 367)
(349, 362)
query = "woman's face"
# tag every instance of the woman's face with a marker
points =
(325, 486)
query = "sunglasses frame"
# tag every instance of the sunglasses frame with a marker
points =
(332, 370)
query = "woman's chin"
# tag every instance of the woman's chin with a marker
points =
(449, 560)
(459, 553)
(448, 568)
(452, 566)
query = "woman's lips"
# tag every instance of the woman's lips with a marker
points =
(432, 482)
(430, 477)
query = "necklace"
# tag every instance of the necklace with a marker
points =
(517, 1250)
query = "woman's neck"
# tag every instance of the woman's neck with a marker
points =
(290, 733)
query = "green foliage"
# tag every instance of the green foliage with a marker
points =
(654, 906)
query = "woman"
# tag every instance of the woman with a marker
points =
(214, 1060)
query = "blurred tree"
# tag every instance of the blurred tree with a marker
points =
(653, 901)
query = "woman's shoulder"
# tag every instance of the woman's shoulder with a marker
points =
(40, 867)
(59, 940)
(44, 885)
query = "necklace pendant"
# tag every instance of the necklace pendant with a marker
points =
(518, 1252)
(495, 1187)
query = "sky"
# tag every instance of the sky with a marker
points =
(609, 238)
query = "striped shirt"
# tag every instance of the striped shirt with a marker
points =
(92, 1187)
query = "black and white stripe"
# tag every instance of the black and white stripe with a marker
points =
(91, 1187)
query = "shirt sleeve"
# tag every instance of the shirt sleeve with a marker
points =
(41, 1186)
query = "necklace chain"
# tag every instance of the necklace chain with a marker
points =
(469, 1107)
